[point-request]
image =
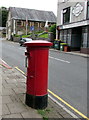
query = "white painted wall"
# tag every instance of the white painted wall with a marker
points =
(71, 3)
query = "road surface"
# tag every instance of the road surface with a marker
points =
(67, 73)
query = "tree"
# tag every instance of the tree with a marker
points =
(3, 16)
(53, 29)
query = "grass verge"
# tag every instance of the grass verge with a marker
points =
(44, 35)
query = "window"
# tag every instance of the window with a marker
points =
(19, 23)
(66, 15)
(22, 23)
(88, 9)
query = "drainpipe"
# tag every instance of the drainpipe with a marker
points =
(7, 30)
(14, 32)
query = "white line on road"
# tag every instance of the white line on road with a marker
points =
(3, 61)
(68, 111)
(59, 59)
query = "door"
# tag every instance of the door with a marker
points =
(76, 38)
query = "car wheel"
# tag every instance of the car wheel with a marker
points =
(20, 44)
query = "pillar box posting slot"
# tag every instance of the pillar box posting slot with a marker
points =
(37, 73)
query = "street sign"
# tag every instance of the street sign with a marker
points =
(32, 28)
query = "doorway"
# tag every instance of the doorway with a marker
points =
(76, 40)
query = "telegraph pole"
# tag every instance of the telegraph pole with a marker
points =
(26, 25)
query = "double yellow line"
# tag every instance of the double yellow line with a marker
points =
(67, 104)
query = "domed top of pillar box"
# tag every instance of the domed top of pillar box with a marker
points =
(38, 43)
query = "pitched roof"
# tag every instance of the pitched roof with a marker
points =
(32, 14)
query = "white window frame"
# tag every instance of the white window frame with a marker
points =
(65, 1)
(61, 17)
(63, 12)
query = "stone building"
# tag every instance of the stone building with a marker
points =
(2, 31)
(20, 19)
(73, 24)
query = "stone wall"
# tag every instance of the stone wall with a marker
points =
(16, 39)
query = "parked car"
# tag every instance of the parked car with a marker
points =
(23, 40)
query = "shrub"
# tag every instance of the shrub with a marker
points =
(63, 44)
(53, 29)
(17, 35)
(44, 35)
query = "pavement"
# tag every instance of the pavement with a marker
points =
(77, 53)
(12, 98)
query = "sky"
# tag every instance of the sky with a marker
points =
(47, 5)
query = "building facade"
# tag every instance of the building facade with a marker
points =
(22, 20)
(2, 31)
(73, 24)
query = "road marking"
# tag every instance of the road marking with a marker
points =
(63, 107)
(59, 59)
(2, 62)
(20, 70)
(78, 112)
(67, 104)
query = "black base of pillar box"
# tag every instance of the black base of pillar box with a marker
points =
(37, 102)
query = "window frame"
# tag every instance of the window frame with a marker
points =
(66, 20)
(19, 23)
(65, 1)
(87, 9)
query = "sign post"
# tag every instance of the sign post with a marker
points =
(32, 29)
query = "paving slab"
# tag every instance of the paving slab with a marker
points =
(10, 80)
(4, 81)
(7, 91)
(5, 110)
(6, 99)
(0, 110)
(23, 85)
(32, 113)
(22, 97)
(10, 85)
(56, 111)
(12, 116)
(16, 107)
(13, 97)
(0, 118)
(19, 90)
(0, 99)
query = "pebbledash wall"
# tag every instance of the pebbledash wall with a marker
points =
(73, 24)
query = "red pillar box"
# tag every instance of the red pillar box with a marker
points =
(37, 73)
